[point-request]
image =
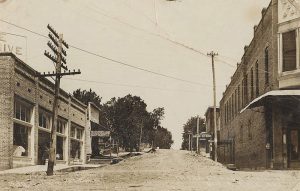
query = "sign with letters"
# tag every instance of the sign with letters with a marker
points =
(15, 44)
(100, 133)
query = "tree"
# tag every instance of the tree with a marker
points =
(87, 96)
(127, 116)
(163, 138)
(129, 120)
(191, 126)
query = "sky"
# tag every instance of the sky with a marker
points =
(166, 37)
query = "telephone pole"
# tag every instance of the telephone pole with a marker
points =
(197, 135)
(212, 54)
(60, 62)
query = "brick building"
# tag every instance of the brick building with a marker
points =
(210, 127)
(260, 107)
(25, 118)
(99, 140)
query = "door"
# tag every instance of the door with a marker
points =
(293, 148)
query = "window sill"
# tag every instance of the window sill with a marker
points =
(289, 79)
(44, 129)
(20, 122)
(286, 73)
(22, 158)
(60, 134)
(74, 139)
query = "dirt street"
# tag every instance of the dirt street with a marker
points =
(164, 170)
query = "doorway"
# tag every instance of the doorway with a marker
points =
(293, 148)
(43, 147)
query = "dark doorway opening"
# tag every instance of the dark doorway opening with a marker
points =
(43, 147)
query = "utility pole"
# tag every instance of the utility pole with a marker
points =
(197, 135)
(141, 134)
(212, 54)
(110, 146)
(189, 141)
(192, 141)
(60, 62)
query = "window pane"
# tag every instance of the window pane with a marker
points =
(79, 133)
(61, 126)
(27, 114)
(73, 132)
(18, 111)
(289, 51)
(23, 113)
(40, 120)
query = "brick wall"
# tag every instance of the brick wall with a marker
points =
(6, 111)
(18, 79)
(248, 129)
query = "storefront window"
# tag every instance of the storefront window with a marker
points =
(75, 149)
(20, 140)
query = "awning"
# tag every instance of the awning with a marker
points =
(275, 93)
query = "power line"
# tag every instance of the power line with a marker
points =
(110, 59)
(119, 62)
(132, 86)
(148, 32)
(135, 67)
(28, 30)
(155, 23)
(233, 66)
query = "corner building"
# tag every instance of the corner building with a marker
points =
(259, 110)
(26, 115)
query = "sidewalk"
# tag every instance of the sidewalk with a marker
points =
(43, 168)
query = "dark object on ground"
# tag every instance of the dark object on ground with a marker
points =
(231, 167)
(153, 150)
(115, 160)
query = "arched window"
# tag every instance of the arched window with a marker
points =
(267, 66)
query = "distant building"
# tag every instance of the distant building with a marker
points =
(210, 127)
(260, 116)
(26, 105)
(99, 135)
